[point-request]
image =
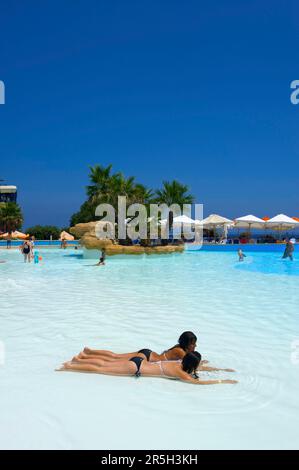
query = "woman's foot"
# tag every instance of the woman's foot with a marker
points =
(76, 359)
(83, 355)
(65, 366)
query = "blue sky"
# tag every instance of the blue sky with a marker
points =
(197, 91)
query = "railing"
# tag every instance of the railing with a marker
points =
(247, 247)
(40, 243)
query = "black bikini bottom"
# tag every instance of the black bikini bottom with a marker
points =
(146, 352)
(137, 361)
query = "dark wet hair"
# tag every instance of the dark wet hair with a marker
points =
(191, 362)
(186, 339)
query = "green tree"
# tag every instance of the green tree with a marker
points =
(44, 232)
(121, 186)
(105, 187)
(142, 194)
(100, 189)
(11, 217)
(173, 192)
(85, 214)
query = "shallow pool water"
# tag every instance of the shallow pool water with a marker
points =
(266, 264)
(244, 317)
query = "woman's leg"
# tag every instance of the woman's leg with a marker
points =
(78, 367)
(104, 358)
(115, 368)
(109, 354)
(99, 352)
(96, 361)
(88, 357)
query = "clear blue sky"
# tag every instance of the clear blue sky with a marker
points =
(192, 90)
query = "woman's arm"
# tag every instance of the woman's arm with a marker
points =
(187, 378)
(173, 354)
(211, 382)
(214, 382)
(206, 368)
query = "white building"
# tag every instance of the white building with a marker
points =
(8, 193)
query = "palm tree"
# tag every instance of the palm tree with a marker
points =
(105, 187)
(142, 194)
(11, 217)
(100, 178)
(173, 192)
(122, 186)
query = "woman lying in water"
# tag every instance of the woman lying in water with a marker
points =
(101, 362)
(137, 366)
(186, 344)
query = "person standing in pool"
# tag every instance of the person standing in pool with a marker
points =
(289, 250)
(8, 241)
(32, 242)
(27, 251)
(102, 258)
(63, 244)
(241, 255)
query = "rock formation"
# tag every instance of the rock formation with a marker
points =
(89, 240)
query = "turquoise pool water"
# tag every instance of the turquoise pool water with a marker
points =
(266, 264)
(245, 316)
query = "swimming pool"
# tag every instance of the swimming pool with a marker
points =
(245, 318)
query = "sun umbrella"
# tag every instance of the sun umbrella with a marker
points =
(15, 235)
(183, 219)
(281, 222)
(215, 220)
(66, 236)
(180, 219)
(181, 223)
(21, 235)
(249, 221)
